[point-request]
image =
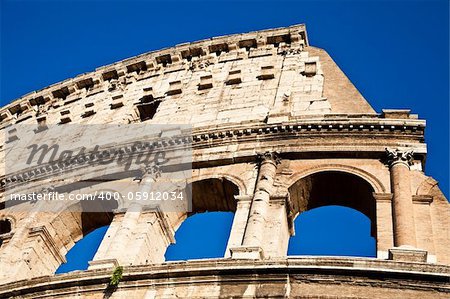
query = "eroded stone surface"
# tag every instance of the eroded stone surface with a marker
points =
(278, 129)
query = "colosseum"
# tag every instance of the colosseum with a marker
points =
(260, 124)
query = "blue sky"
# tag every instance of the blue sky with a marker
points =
(395, 52)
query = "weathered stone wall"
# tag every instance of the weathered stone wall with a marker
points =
(270, 116)
(291, 278)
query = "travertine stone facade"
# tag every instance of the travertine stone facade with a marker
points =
(278, 129)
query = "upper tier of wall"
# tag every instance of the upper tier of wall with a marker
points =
(264, 76)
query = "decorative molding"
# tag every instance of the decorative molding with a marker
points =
(422, 199)
(247, 252)
(321, 126)
(395, 156)
(103, 264)
(197, 139)
(408, 254)
(312, 269)
(90, 158)
(271, 157)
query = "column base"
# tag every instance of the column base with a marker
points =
(247, 252)
(408, 254)
(103, 264)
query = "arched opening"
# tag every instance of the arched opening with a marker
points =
(88, 233)
(205, 232)
(334, 208)
(332, 230)
(202, 235)
(83, 251)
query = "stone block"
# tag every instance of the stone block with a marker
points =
(248, 253)
(408, 254)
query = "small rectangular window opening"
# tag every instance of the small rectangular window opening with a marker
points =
(247, 44)
(164, 59)
(110, 75)
(277, 39)
(218, 48)
(193, 52)
(61, 93)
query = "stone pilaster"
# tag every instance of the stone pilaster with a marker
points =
(137, 235)
(18, 258)
(38, 255)
(404, 229)
(424, 224)
(402, 205)
(278, 227)
(239, 222)
(254, 232)
(135, 238)
(384, 225)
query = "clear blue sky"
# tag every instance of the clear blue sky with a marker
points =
(395, 52)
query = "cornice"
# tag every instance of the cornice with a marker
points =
(315, 131)
(414, 276)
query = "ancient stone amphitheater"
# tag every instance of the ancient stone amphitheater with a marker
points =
(276, 129)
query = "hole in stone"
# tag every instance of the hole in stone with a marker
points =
(5, 226)
(164, 59)
(61, 93)
(110, 75)
(247, 44)
(214, 228)
(137, 67)
(148, 108)
(193, 52)
(277, 39)
(218, 48)
(213, 206)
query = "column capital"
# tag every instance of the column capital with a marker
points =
(396, 156)
(272, 157)
(149, 171)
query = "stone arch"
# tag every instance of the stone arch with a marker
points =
(426, 186)
(72, 223)
(230, 177)
(215, 193)
(376, 184)
(330, 186)
(227, 204)
(332, 230)
(221, 189)
(78, 206)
